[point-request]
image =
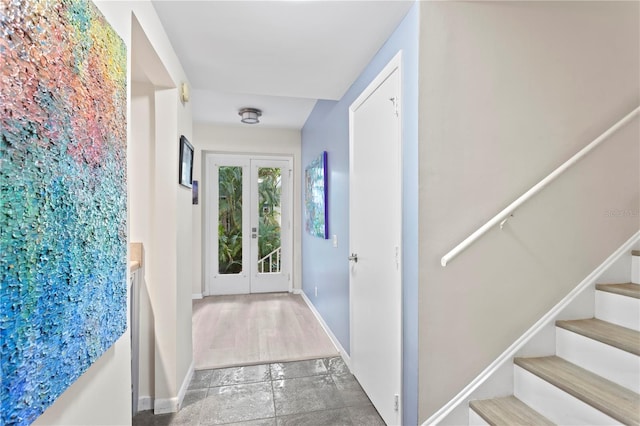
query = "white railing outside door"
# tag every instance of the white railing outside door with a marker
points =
(268, 261)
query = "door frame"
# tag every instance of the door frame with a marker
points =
(208, 247)
(395, 64)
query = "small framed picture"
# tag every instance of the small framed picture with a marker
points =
(194, 193)
(185, 177)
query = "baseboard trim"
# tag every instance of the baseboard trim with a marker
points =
(185, 384)
(173, 405)
(165, 405)
(334, 339)
(145, 403)
(196, 296)
(510, 353)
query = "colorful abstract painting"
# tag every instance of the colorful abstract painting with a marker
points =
(63, 265)
(315, 197)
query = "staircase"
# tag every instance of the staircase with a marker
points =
(594, 377)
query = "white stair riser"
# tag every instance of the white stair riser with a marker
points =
(475, 419)
(618, 309)
(635, 269)
(555, 404)
(613, 364)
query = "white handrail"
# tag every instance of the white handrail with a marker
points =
(504, 214)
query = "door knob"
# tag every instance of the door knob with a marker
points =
(353, 257)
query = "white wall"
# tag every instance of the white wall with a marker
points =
(166, 220)
(186, 275)
(103, 394)
(508, 92)
(243, 139)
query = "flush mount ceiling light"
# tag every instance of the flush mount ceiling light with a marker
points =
(250, 115)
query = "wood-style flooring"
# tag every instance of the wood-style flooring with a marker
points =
(256, 329)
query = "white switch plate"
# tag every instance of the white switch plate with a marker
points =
(335, 240)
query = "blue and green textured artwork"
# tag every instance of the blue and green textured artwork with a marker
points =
(63, 294)
(315, 197)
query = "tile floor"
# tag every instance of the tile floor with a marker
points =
(319, 392)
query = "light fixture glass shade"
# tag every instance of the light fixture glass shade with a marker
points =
(250, 115)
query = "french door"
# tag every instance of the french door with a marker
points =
(248, 224)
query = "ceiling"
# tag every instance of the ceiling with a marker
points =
(278, 56)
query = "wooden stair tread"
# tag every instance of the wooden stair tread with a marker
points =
(635, 252)
(613, 335)
(626, 289)
(508, 411)
(612, 399)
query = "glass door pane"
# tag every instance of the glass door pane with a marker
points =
(269, 220)
(228, 213)
(271, 225)
(230, 220)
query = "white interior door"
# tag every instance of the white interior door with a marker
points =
(248, 225)
(375, 241)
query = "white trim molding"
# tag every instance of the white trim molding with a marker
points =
(196, 296)
(334, 339)
(173, 405)
(145, 403)
(185, 384)
(165, 405)
(507, 356)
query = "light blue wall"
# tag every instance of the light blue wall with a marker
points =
(326, 267)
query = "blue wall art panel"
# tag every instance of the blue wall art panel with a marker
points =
(315, 197)
(63, 294)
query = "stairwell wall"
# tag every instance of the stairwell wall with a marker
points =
(508, 92)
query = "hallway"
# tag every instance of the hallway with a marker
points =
(318, 392)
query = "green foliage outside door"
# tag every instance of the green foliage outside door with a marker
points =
(230, 224)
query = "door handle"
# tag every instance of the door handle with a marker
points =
(353, 257)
